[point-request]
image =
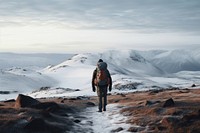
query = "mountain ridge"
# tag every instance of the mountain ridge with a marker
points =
(131, 70)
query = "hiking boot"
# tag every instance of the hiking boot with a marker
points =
(99, 111)
(104, 109)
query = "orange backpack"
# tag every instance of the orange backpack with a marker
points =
(102, 76)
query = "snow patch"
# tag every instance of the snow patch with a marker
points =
(104, 122)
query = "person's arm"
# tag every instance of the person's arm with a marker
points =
(93, 78)
(110, 85)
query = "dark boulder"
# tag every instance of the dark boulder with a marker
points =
(25, 101)
(193, 85)
(169, 103)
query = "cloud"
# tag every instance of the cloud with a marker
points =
(140, 15)
(57, 25)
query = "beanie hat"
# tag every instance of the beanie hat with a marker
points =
(100, 60)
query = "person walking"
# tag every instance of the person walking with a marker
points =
(101, 81)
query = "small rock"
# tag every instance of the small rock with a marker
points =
(136, 129)
(184, 91)
(90, 123)
(72, 98)
(44, 88)
(117, 130)
(169, 103)
(177, 113)
(82, 98)
(168, 121)
(154, 91)
(123, 95)
(116, 101)
(191, 117)
(149, 103)
(174, 88)
(161, 128)
(62, 101)
(4, 92)
(11, 100)
(90, 103)
(77, 121)
(133, 129)
(193, 85)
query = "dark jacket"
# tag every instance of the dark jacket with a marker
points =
(94, 76)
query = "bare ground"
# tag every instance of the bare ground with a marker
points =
(145, 111)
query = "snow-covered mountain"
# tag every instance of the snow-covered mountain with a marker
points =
(19, 73)
(120, 63)
(175, 60)
(131, 71)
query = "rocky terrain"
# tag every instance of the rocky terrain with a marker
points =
(163, 111)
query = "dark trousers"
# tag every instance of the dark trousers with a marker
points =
(102, 97)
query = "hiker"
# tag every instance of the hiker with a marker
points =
(101, 81)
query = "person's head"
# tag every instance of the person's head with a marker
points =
(100, 60)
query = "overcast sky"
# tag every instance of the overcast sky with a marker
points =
(96, 25)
